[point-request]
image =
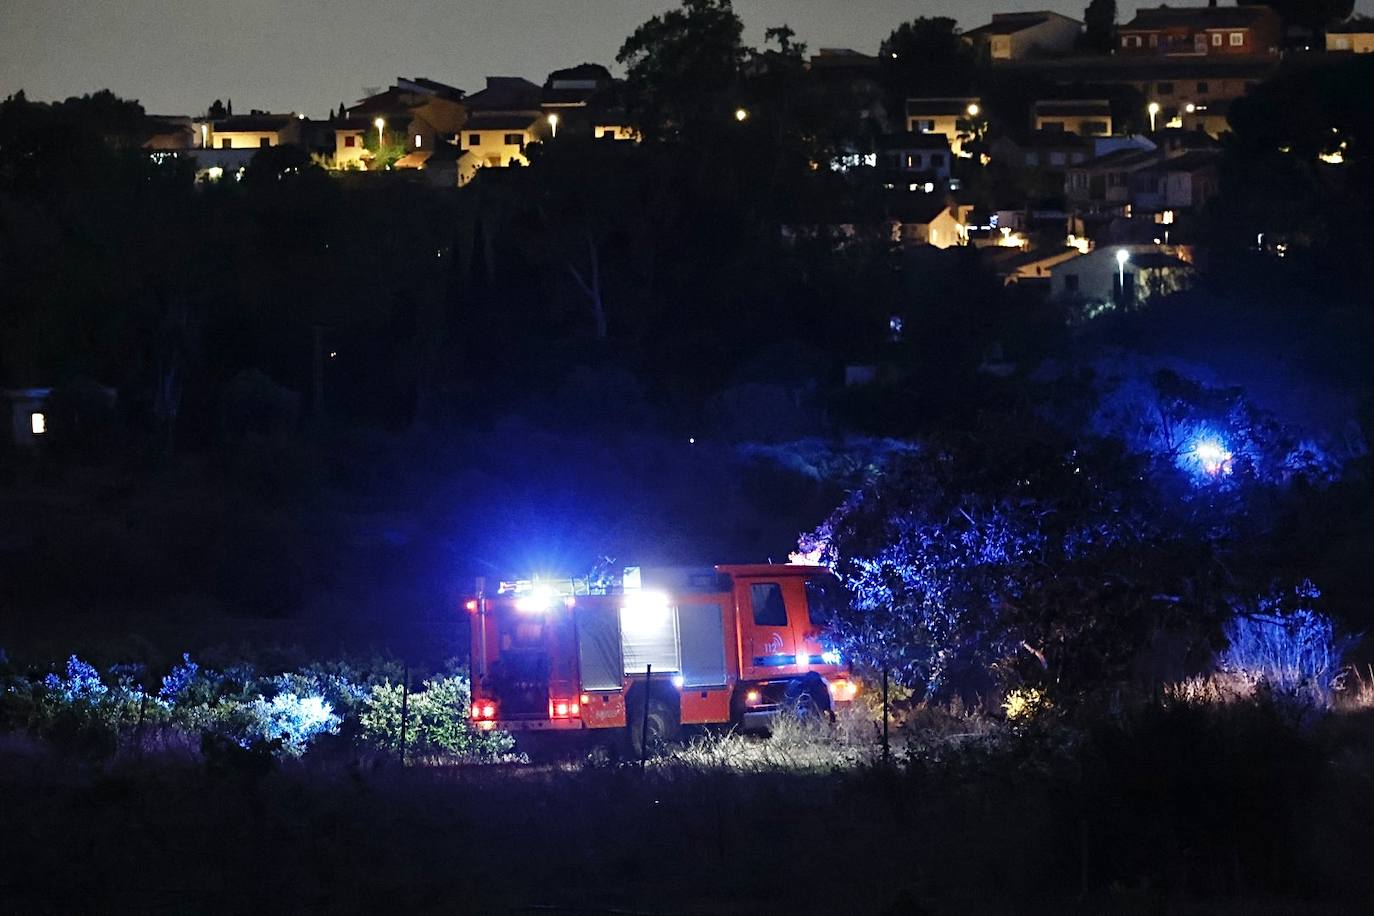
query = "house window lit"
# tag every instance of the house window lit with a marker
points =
(1237, 39)
(418, 141)
(1154, 41)
(1216, 39)
(38, 423)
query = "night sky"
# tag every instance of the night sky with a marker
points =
(177, 56)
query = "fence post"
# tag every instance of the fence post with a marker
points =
(644, 723)
(405, 712)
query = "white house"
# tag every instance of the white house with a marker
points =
(1017, 36)
(1119, 275)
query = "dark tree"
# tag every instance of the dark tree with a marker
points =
(682, 68)
(1099, 21)
(926, 57)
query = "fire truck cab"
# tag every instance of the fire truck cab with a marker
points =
(653, 650)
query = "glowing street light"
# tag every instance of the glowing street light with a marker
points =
(973, 109)
(741, 114)
(553, 124)
(1122, 256)
(1153, 109)
(380, 125)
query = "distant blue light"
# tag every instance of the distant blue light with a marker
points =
(1207, 456)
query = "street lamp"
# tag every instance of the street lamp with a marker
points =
(1153, 109)
(553, 124)
(1122, 256)
(741, 115)
(973, 109)
(380, 125)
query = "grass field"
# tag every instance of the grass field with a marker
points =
(972, 817)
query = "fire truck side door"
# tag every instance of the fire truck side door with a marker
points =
(768, 638)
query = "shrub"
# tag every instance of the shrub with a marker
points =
(1286, 643)
(437, 722)
(292, 720)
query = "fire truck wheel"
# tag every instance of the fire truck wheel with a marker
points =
(808, 700)
(662, 726)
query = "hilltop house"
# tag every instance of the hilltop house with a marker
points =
(951, 117)
(1119, 275)
(1054, 150)
(1202, 31)
(503, 119)
(1085, 117)
(417, 113)
(915, 161)
(229, 143)
(585, 101)
(1017, 36)
(1355, 35)
(1184, 182)
(929, 219)
(1103, 184)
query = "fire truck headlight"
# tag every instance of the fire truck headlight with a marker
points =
(752, 697)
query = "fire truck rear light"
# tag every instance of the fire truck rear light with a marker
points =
(477, 710)
(560, 709)
(752, 697)
(574, 709)
(488, 711)
(843, 690)
(586, 699)
(471, 606)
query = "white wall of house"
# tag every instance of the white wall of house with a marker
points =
(1057, 33)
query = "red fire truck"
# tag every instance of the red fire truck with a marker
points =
(651, 651)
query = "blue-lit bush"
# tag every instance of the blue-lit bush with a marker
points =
(287, 721)
(1285, 642)
(79, 711)
(989, 562)
(226, 712)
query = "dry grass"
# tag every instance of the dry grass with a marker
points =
(791, 746)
